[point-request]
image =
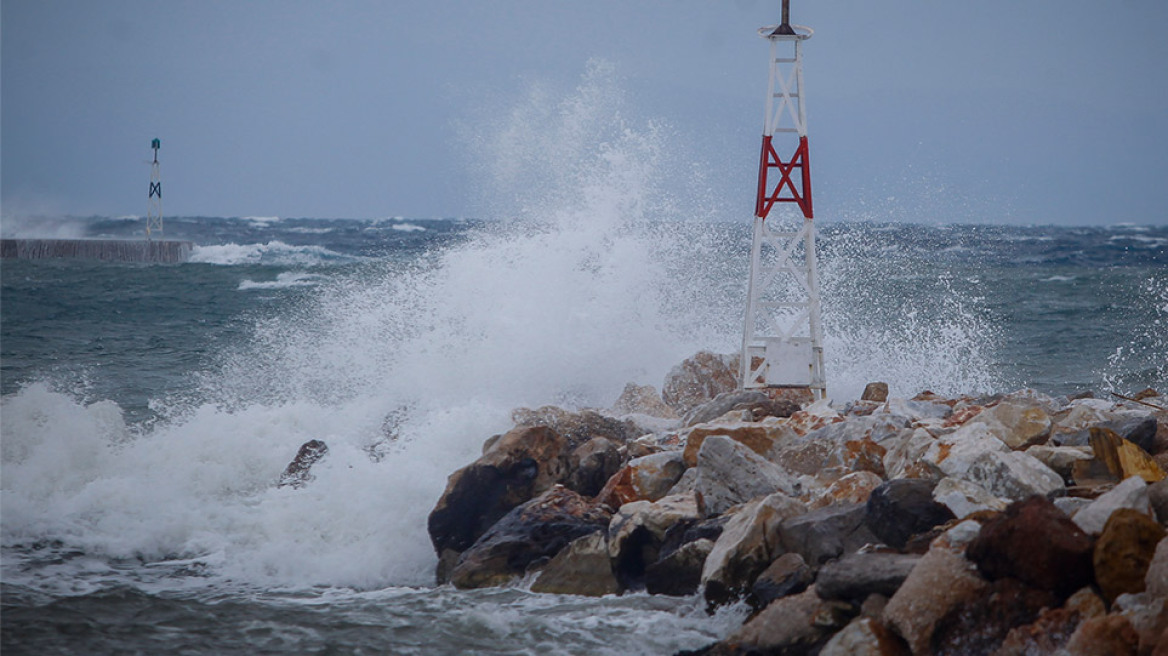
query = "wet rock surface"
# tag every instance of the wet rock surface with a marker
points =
(1034, 542)
(536, 530)
(521, 464)
(1006, 524)
(298, 473)
(902, 508)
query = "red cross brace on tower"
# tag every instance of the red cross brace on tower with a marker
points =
(769, 159)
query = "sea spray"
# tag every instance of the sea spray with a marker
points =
(599, 276)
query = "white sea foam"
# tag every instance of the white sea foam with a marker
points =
(261, 221)
(284, 280)
(273, 252)
(404, 372)
(408, 227)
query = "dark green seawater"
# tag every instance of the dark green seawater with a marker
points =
(149, 409)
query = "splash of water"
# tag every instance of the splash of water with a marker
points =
(600, 276)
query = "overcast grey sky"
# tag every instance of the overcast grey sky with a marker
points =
(1022, 111)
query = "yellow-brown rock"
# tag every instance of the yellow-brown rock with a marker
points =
(1124, 551)
(1123, 458)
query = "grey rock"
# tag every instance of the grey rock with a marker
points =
(747, 545)
(721, 404)
(520, 465)
(855, 576)
(917, 409)
(1131, 493)
(864, 636)
(1158, 498)
(974, 454)
(655, 474)
(592, 464)
(787, 575)
(680, 572)
(965, 498)
(798, 624)
(1156, 580)
(828, 533)
(531, 532)
(902, 508)
(729, 473)
(582, 568)
(1061, 459)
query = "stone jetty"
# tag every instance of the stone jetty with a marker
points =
(114, 250)
(1007, 524)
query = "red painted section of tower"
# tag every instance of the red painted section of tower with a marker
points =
(801, 194)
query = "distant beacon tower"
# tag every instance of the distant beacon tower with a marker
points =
(782, 342)
(154, 210)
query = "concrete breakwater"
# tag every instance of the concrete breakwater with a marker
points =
(118, 250)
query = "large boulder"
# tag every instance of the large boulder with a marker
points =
(1017, 425)
(699, 379)
(637, 532)
(591, 465)
(855, 576)
(1124, 551)
(974, 454)
(1061, 459)
(729, 473)
(941, 581)
(864, 636)
(1034, 542)
(1070, 426)
(748, 543)
(679, 572)
(965, 498)
(647, 478)
(1073, 426)
(723, 403)
(577, 427)
(858, 444)
(530, 533)
(582, 568)
(902, 508)
(787, 575)
(1046, 635)
(827, 533)
(1122, 457)
(1156, 580)
(903, 457)
(1158, 499)
(642, 400)
(1107, 634)
(798, 624)
(855, 487)
(520, 465)
(981, 626)
(755, 436)
(1131, 493)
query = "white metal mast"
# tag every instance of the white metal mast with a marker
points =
(154, 209)
(782, 341)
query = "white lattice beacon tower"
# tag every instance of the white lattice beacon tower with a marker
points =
(154, 201)
(782, 342)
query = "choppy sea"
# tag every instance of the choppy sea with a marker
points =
(148, 410)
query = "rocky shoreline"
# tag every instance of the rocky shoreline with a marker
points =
(1008, 524)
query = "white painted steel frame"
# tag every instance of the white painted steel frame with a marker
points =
(784, 337)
